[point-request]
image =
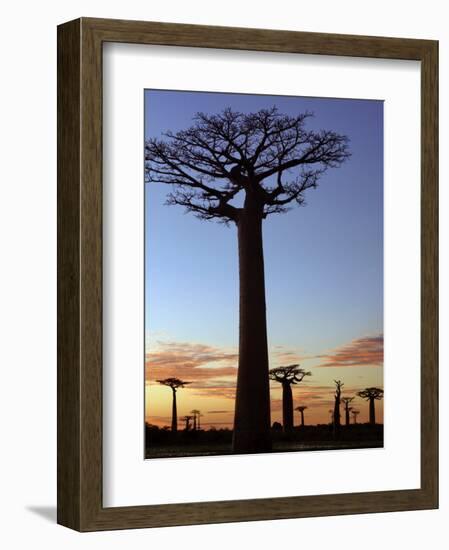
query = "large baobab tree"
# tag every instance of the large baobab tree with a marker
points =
(337, 422)
(174, 384)
(371, 395)
(240, 168)
(347, 402)
(288, 376)
(355, 414)
(301, 409)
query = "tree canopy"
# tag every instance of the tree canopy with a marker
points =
(371, 393)
(271, 156)
(291, 374)
(173, 383)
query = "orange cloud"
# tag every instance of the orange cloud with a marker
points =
(212, 372)
(367, 351)
(281, 355)
(213, 391)
(196, 363)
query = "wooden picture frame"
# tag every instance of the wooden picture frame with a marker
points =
(80, 504)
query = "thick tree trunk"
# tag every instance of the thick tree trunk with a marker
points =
(194, 422)
(302, 418)
(287, 407)
(174, 414)
(372, 412)
(252, 406)
(347, 415)
(337, 419)
(337, 414)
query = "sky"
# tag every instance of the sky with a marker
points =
(323, 272)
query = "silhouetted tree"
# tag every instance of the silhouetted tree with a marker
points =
(187, 420)
(338, 386)
(301, 409)
(288, 376)
(270, 160)
(371, 395)
(174, 384)
(346, 402)
(355, 414)
(196, 419)
(331, 412)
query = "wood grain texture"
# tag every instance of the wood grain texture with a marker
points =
(69, 407)
(429, 271)
(80, 274)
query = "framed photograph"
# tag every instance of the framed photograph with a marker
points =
(247, 274)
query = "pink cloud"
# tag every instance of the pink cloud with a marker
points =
(367, 351)
(197, 363)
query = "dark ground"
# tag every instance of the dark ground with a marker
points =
(161, 443)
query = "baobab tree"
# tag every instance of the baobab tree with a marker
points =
(331, 413)
(196, 419)
(199, 415)
(338, 386)
(371, 395)
(187, 420)
(269, 161)
(355, 414)
(287, 377)
(301, 409)
(174, 384)
(346, 402)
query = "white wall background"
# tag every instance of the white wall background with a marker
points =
(28, 272)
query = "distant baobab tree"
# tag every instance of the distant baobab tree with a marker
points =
(331, 412)
(338, 386)
(196, 419)
(174, 384)
(301, 409)
(372, 395)
(288, 376)
(270, 160)
(355, 414)
(347, 401)
(187, 420)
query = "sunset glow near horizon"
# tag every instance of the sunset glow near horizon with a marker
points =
(323, 271)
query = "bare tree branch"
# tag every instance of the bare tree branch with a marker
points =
(223, 154)
(371, 393)
(291, 374)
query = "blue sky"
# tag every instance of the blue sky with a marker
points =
(323, 261)
(323, 272)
